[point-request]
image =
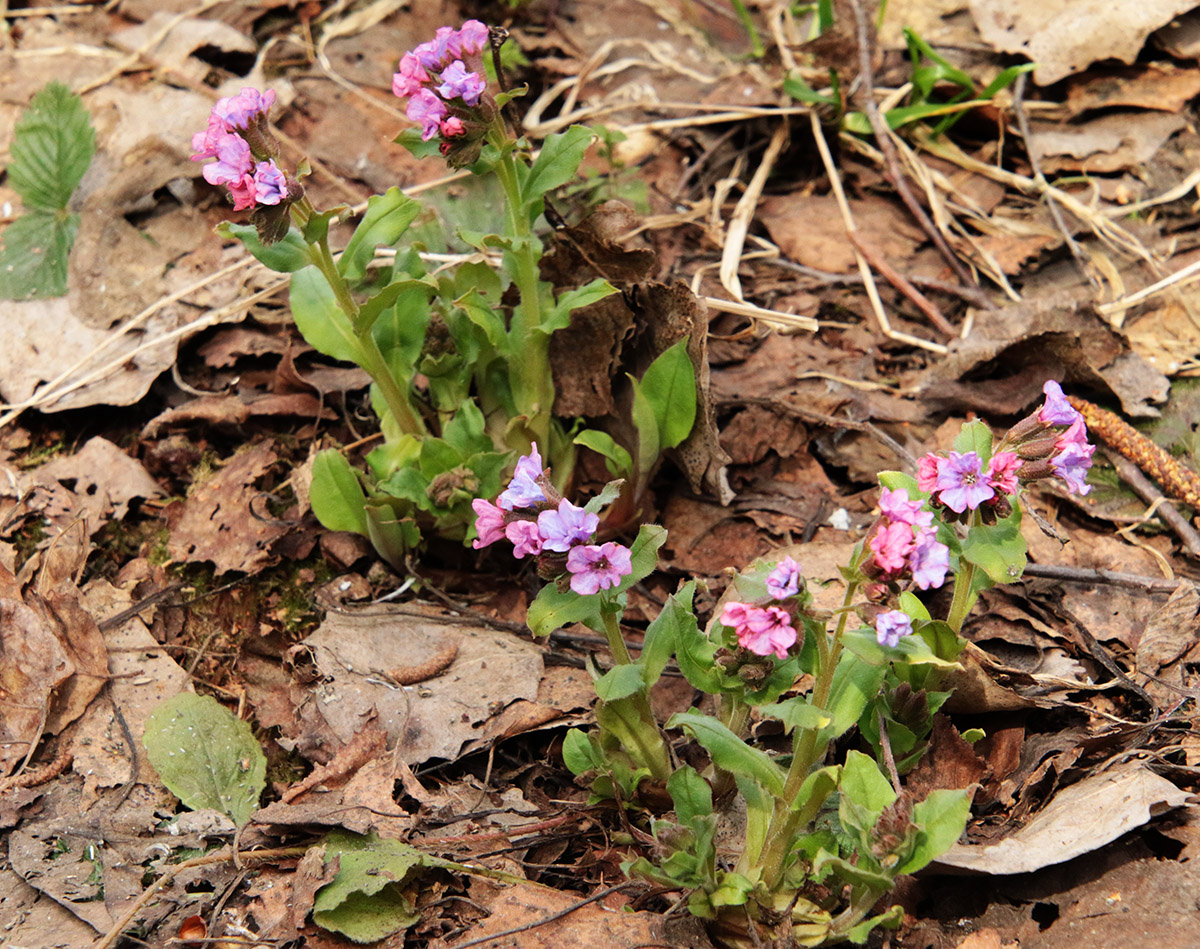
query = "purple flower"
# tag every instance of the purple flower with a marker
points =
(247, 106)
(523, 490)
(270, 184)
(428, 110)
(439, 50)
(233, 162)
(472, 37)
(1072, 465)
(784, 580)
(458, 83)
(205, 143)
(1056, 410)
(598, 567)
(411, 78)
(566, 527)
(897, 508)
(890, 626)
(961, 484)
(929, 560)
(525, 538)
(489, 523)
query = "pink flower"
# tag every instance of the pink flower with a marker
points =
(928, 470)
(891, 546)
(762, 631)
(890, 626)
(525, 538)
(244, 192)
(452, 127)
(205, 143)
(598, 567)
(960, 482)
(426, 109)
(489, 523)
(411, 78)
(897, 508)
(270, 184)
(784, 580)
(472, 37)
(233, 163)
(1002, 471)
(1056, 410)
(239, 111)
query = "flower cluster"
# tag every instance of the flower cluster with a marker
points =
(443, 82)
(906, 541)
(1052, 442)
(890, 626)
(238, 139)
(767, 630)
(539, 522)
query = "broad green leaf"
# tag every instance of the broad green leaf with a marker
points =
(556, 164)
(674, 620)
(895, 480)
(553, 609)
(670, 387)
(863, 783)
(690, 794)
(760, 806)
(399, 331)
(796, 712)
(33, 255)
(52, 146)
(485, 315)
(206, 755)
(642, 741)
(284, 256)
(558, 316)
(418, 147)
(977, 437)
(694, 654)
(394, 536)
(388, 217)
(616, 459)
(914, 650)
(728, 751)
(644, 420)
(371, 310)
(465, 431)
(913, 606)
(364, 901)
(316, 228)
(855, 683)
(620, 682)
(814, 792)
(319, 318)
(942, 817)
(998, 549)
(336, 495)
(858, 934)
(579, 752)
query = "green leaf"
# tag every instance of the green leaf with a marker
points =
(580, 753)
(895, 480)
(859, 933)
(674, 620)
(620, 682)
(942, 817)
(796, 712)
(728, 751)
(336, 495)
(319, 318)
(694, 654)
(609, 493)
(616, 459)
(855, 683)
(364, 902)
(284, 256)
(370, 311)
(998, 549)
(690, 794)
(556, 164)
(977, 437)
(913, 606)
(670, 387)
(206, 756)
(864, 784)
(417, 147)
(388, 217)
(553, 609)
(483, 314)
(801, 91)
(558, 316)
(914, 650)
(52, 146)
(646, 423)
(33, 255)
(760, 806)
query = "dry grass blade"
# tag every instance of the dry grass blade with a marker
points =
(743, 214)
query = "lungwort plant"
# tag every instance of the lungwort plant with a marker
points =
(459, 357)
(828, 822)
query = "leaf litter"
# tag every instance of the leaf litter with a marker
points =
(439, 728)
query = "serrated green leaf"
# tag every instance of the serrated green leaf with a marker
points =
(556, 164)
(670, 387)
(728, 751)
(33, 255)
(52, 146)
(320, 320)
(206, 756)
(616, 459)
(388, 217)
(283, 256)
(364, 901)
(336, 495)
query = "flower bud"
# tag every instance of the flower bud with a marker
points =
(1037, 449)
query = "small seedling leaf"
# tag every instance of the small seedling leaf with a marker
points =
(365, 902)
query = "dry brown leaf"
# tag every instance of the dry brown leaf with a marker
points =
(1106, 144)
(104, 475)
(1170, 633)
(1080, 819)
(1065, 36)
(1159, 86)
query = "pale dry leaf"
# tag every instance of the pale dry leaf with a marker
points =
(101, 470)
(1080, 819)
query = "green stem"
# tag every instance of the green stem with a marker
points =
(807, 750)
(964, 594)
(616, 642)
(651, 747)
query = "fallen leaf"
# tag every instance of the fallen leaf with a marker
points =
(1158, 86)
(1064, 36)
(1105, 144)
(1081, 818)
(104, 475)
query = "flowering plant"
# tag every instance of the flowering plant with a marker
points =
(459, 358)
(825, 837)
